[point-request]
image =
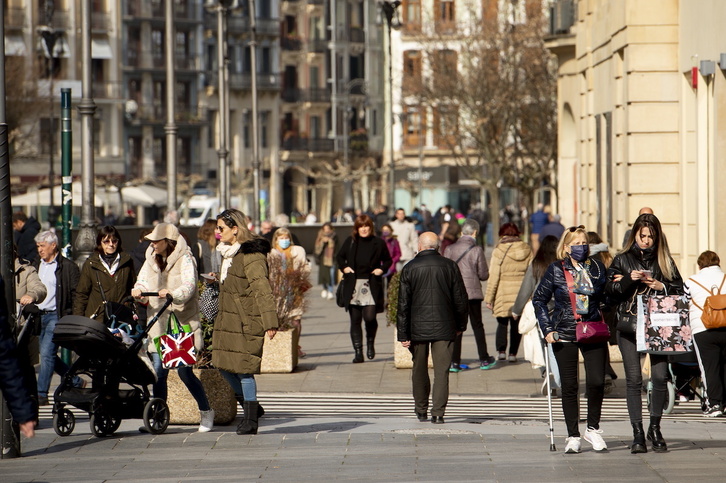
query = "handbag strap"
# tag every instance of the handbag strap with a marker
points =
(707, 290)
(464, 254)
(570, 290)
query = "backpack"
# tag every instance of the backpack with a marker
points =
(714, 308)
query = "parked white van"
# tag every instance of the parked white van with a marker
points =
(201, 208)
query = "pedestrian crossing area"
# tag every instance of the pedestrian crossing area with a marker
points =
(476, 408)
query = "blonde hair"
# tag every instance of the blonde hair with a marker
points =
(280, 232)
(233, 217)
(567, 237)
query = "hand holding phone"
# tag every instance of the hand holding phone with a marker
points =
(647, 274)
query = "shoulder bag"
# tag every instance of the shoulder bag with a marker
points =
(586, 331)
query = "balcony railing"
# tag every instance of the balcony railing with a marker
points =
(353, 34)
(265, 81)
(237, 24)
(100, 21)
(308, 144)
(311, 94)
(60, 19)
(288, 43)
(106, 90)
(187, 61)
(157, 113)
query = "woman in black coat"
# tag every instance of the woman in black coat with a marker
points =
(559, 329)
(363, 258)
(643, 267)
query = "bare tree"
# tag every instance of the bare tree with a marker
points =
(23, 106)
(492, 97)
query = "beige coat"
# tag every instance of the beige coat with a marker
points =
(180, 278)
(27, 282)
(506, 271)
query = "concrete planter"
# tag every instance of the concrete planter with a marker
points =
(183, 408)
(279, 355)
(402, 358)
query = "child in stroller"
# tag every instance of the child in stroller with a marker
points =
(119, 376)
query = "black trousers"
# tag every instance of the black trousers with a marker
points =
(595, 357)
(504, 325)
(477, 326)
(441, 355)
(711, 352)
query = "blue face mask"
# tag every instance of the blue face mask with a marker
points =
(283, 243)
(579, 252)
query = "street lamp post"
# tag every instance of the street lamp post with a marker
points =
(86, 240)
(170, 127)
(256, 166)
(390, 12)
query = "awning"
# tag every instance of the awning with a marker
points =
(143, 195)
(15, 45)
(61, 49)
(41, 197)
(100, 49)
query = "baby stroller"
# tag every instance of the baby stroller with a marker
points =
(119, 378)
(684, 378)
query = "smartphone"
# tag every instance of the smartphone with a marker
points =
(647, 274)
(206, 276)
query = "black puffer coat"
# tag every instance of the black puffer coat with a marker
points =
(623, 294)
(432, 300)
(554, 284)
(376, 255)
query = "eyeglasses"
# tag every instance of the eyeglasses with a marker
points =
(573, 229)
(110, 242)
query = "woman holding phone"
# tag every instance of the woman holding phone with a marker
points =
(643, 267)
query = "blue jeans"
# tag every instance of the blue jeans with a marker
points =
(49, 360)
(187, 376)
(330, 287)
(242, 384)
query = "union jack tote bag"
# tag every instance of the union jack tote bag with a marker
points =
(176, 347)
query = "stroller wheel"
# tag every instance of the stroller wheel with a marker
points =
(156, 416)
(103, 424)
(64, 422)
(670, 395)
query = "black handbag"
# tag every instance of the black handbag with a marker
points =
(339, 294)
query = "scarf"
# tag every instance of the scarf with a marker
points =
(228, 252)
(110, 262)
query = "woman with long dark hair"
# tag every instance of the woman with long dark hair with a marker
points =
(363, 258)
(170, 269)
(643, 267)
(108, 269)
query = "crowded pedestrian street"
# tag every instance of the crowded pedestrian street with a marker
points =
(331, 419)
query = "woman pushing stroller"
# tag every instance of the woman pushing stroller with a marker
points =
(170, 269)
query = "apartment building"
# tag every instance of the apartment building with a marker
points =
(641, 95)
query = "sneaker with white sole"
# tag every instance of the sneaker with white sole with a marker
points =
(593, 436)
(324, 294)
(207, 422)
(713, 412)
(573, 445)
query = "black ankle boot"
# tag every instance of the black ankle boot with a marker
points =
(358, 354)
(638, 445)
(241, 401)
(655, 436)
(371, 348)
(249, 424)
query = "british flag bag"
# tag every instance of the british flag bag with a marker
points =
(176, 347)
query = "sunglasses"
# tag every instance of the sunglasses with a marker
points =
(110, 242)
(573, 229)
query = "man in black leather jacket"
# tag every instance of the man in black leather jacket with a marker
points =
(432, 310)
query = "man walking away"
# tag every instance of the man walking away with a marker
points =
(474, 270)
(24, 230)
(432, 312)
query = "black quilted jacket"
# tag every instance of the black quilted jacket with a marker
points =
(554, 284)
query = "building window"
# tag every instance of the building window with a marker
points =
(445, 126)
(264, 120)
(265, 60)
(445, 70)
(444, 16)
(490, 10)
(315, 127)
(412, 15)
(135, 160)
(211, 125)
(183, 155)
(97, 133)
(157, 46)
(414, 127)
(159, 150)
(246, 123)
(411, 72)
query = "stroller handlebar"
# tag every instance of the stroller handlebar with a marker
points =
(156, 294)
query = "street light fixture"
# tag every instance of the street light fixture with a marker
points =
(391, 14)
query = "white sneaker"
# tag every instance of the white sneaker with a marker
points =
(593, 437)
(324, 294)
(207, 422)
(573, 445)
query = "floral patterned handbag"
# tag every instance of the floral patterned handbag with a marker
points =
(663, 325)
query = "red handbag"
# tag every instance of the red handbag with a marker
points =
(586, 331)
(176, 347)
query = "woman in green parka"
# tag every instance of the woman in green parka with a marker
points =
(108, 268)
(246, 311)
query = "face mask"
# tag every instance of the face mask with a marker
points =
(385, 234)
(284, 243)
(579, 252)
